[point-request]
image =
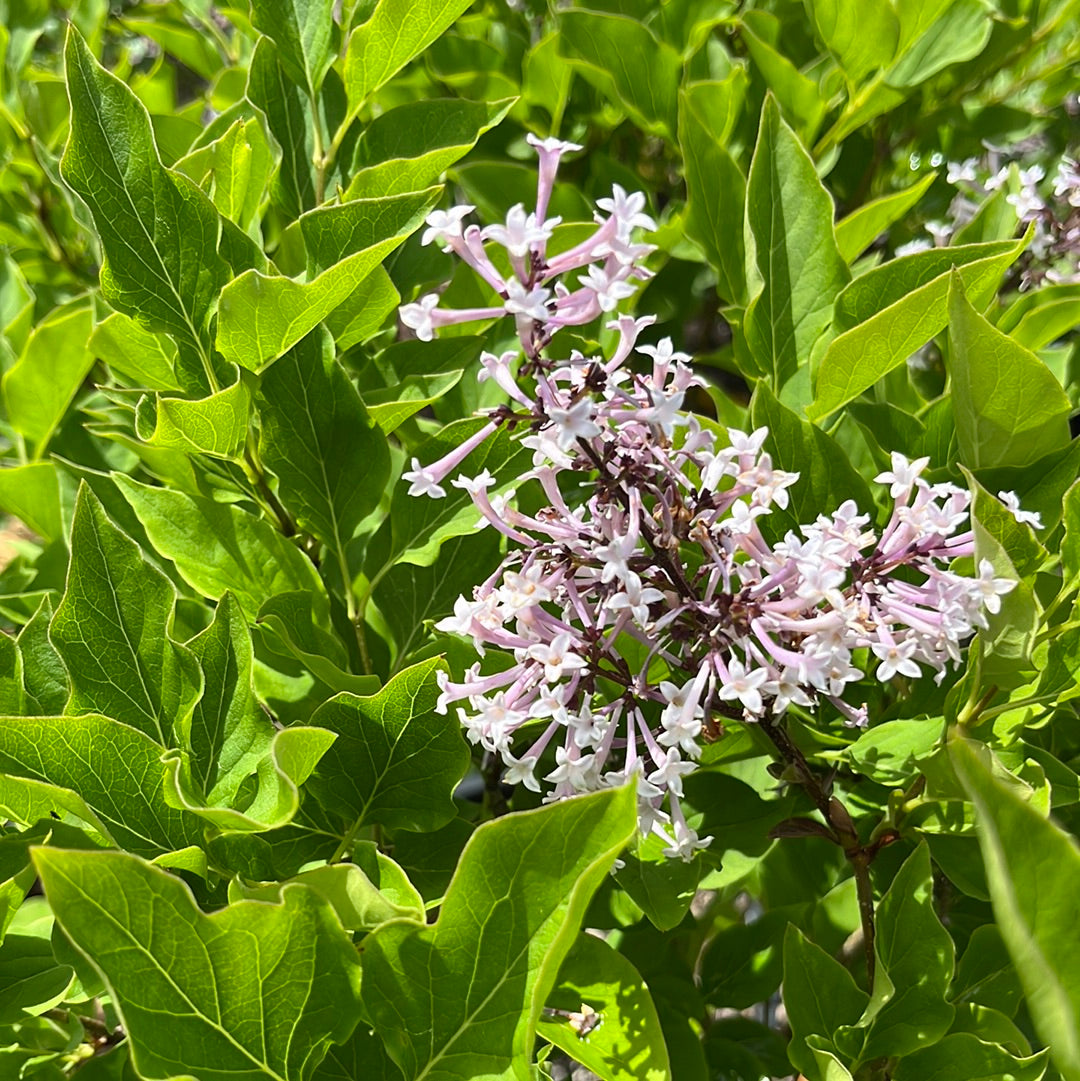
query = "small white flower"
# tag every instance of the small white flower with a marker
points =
(531, 303)
(551, 145)
(417, 317)
(1027, 203)
(520, 771)
(743, 685)
(614, 556)
(574, 423)
(786, 690)
(913, 246)
(895, 657)
(627, 210)
(524, 589)
(998, 179)
(635, 599)
(751, 444)
(573, 769)
(609, 288)
(671, 773)
(423, 482)
(1012, 503)
(445, 225)
(964, 170)
(556, 657)
(990, 589)
(903, 474)
(940, 231)
(474, 485)
(521, 232)
(686, 843)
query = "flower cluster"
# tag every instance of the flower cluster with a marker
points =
(533, 292)
(645, 603)
(1051, 205)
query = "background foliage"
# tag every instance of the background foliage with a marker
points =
(220, 767)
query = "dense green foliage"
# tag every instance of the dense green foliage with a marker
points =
(236, 841)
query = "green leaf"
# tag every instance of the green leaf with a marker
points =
(32, 494)
(915, 956)
(17, 873)
(430, 859)
(1017, 539)
(1070, 545)
(362, 315)
(51, 368)
(624, 56)
(331, 462)
(859, 357)
(790, 215)
(303, 31)
(112, 631)
(963, 1057)
(1010, 410)
(12, 695)
(890, 753)
(856, 232)
(256, 989)
(985, 973)
(216, 425)
(45, 678)
(290, 120)
(395, 761)
(397, 31)
(627, 1044)
(882, 286)
(158, 231)
(289, 616)
(438, 995)
(716, 190)
(797, 93)
(743, 962)
(1009, 635)
(1033, 869)
(362, 1055)
(231, 742)
(407, 148)
(362, 897)
(861, 34)
(114, 773)
(829, 1066)
(408, 595)
(663, 888)
(392, 406)
(261, 316)
(958, 33)
(31, 981)
(217, 547)
(820, 996)
(234, 171)
(140, 357)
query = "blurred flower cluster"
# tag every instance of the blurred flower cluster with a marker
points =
(1050, 204)
(644, 603)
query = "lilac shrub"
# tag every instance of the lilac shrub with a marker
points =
(643, 603)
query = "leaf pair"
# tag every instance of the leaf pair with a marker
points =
(262, 989)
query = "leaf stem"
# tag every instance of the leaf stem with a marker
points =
(974, 709)
(346, 841)
(355, 616)
(842, 828)
(318, 157)
(257, 476)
